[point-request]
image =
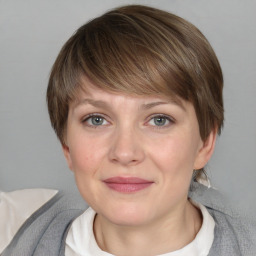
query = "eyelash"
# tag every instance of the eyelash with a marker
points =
(90, 116)
(168, 118)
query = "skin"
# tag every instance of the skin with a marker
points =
(152, 138)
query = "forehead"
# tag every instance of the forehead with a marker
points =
(134, 87)
(99, 97)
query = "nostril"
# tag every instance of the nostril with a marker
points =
(130, 157)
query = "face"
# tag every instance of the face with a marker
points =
(132, 156)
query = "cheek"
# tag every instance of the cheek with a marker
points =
(86, 155)
(174, 155)
(88, 159)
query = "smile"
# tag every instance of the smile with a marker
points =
(127, 184)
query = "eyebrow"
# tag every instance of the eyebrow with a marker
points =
(95, 103)
(154, 104)
(146, 106)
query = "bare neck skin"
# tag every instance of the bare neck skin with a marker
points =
(169, 234)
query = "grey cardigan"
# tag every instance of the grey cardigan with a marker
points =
(44, 233)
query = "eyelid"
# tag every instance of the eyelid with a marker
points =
(172, 119)
(85, 118)
(168, 117)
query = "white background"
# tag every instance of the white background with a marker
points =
(31, 35)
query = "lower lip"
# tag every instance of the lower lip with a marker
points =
(128, 187)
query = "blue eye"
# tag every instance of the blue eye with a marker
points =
(95, 120)
(160, 121)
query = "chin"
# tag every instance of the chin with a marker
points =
(128, 216)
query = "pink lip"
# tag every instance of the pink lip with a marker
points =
(127, 184)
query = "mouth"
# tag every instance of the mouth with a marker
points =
(127, 184)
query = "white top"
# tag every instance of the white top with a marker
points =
(81, 241)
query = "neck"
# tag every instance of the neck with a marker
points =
(168, 234)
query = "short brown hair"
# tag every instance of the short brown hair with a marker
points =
(139, 50)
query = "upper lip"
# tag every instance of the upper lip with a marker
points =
(126, 180)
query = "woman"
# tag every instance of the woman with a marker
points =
(135, 98)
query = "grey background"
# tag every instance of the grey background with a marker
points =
(31, 35)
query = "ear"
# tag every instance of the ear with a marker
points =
(66, 152)
(206, 150)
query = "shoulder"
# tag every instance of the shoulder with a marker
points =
(16, 207)
(51, 214)
(234, 233)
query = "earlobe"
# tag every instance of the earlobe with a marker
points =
(66, 152)
(206, 151)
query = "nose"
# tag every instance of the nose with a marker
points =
(126, 147)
